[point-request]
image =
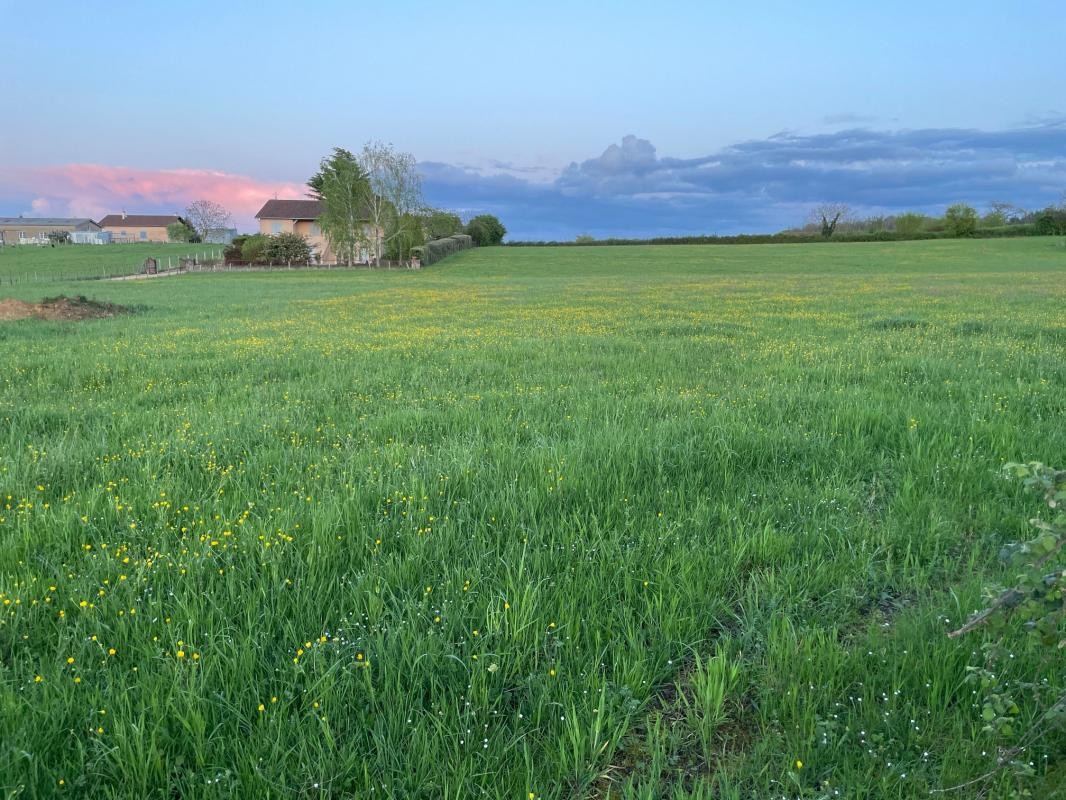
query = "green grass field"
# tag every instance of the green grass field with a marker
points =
(21, 264)
(535, 523)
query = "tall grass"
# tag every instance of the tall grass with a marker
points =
(455, 533)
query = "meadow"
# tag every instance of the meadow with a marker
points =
(639, 522)
(32, 264)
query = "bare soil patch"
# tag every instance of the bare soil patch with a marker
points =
(59, 308)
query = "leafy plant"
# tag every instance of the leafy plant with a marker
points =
(1035, 604)
(712, 682)
(486, 230)
(961, 220)
(287, 248)
(253, 248)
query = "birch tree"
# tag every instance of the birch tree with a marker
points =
(395, 192)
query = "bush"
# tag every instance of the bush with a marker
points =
(180, 232)
(961, 220)
(485, 230)
(910, 223)
(1033, 607)
(232, 251)
(1051, 222)
(287, 248)
(253, 248)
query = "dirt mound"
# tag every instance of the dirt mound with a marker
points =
(62, 308)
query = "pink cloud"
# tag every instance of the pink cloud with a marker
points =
(93, 190)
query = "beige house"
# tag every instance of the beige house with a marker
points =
(138, 227)
(301, 217)
(35, 230)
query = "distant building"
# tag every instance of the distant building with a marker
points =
(220, 235)
(35, 230)
(126, 228)
(90, 237)
(301, 217)
(296, 216)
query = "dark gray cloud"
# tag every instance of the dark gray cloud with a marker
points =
(767, 184)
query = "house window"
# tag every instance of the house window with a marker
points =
(144, 235)
(275, 227)
(315, 230)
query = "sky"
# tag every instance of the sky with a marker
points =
(562, 118)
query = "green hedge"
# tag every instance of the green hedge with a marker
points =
(434, 251)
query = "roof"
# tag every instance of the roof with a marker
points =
(42, 221)
(139, 220)
(290, 209)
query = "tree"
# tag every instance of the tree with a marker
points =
(961, 220)
(204, 216)
(486, 230)
(438, 224)
(910, 223)
(180, 232)
(410, 234)
(395, 191)
(342, 186)
(287, 248)
(1009, 213)
(829, 215)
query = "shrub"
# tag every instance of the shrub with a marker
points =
(961, 220)
(287, 248)
(1051, 222)
(910, 223)
(232, 251)
(1034, 607)
(253, 248)
(180, 232)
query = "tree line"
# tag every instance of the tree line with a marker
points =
(1000, 219)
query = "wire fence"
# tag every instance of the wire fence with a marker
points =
(97, 272)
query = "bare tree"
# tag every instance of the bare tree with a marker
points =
(828, 215)
(204, 216)
(1003, 213)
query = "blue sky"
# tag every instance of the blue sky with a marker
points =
(739, 117)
